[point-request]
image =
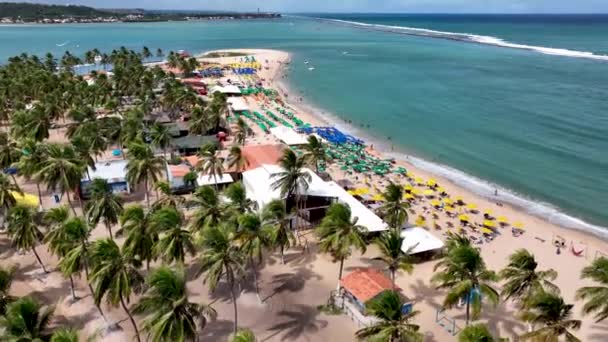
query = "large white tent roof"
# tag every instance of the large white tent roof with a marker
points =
(227, 89)
(113, 171)
(288, 136)
(366, 217)
(210, 180)
(237, 104)
(419, 240)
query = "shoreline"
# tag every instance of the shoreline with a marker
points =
(546, 213)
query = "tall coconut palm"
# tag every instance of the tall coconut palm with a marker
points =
(253, 238)
(24, 232)
(463, 272)
(6, 279)
(160, 136)
(34, 124)
(392, 323)
(114, 276)
(65, 335)
(476, 333)
(315, 152)
(59, 244)
(170, 316)
(167, 197)
(389, 244)
(61, 170)
(104, 206)
(596, 297)
(221, 258)
(394, 209)
(281, 235)
(211, 163)
(209, 211)
(237, 160)
(75, 233)
(243, 335)
(174, 242)
(339, 234)
(26, 320)
(242, 131)
(140, 234)
(237, 194)
(9, 151)
(143, 167)
(523, 280)
(552, 317)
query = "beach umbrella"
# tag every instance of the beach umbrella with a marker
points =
(487, 231)
(488, 212)
(378, 198)
(409, 197)
(503, 220)
(441, 190)
(116, 153)
(463, 218)
(449, 208)
(518, 225)
(435, 203)
(419, 181)
(415, 192)
(489, 224)
(408, 188)
(471, 206)
(431, 182)
(362, 191)
(428, 192)
(420, 221)
(460, 200)
(448, 201)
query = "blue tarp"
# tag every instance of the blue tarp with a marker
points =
(331, 134)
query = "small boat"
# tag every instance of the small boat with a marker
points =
(306, 62)
(311, 69)
(345, 52)
(63, 44)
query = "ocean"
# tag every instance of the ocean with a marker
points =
(517, 103)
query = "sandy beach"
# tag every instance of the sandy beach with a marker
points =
(291, 292)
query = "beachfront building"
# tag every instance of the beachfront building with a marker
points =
(175, 178)
(420, 242)
(363, 285)
(191, 144)
(288, 136)
(113, 171)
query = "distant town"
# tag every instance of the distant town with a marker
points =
(22, 13)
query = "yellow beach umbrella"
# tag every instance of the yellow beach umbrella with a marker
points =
(459, 200)
(487, 231)
(415, 192)
(440, 190)
(409, 197)
(503, 220)
(450, 209)
(489, 224)
(378, 198)
(431, 182)
(408, 187)
(420, 221)
(352, 192)
(362, 191)
(463, 218)
(448, 201)
(419, 181)
(471, 206)
(26, 199)
(428, 192)
(435, 203)
(518, 225)
(488, 212)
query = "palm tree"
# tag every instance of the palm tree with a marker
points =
(209, 208)
(315, 152)
(143, 166)
(281, 235)
(221, 258)
(6, 279)
(236, 159)
(61, 170)
(65, 335)
(464, 273)
(243, 335)
(253, 238)
(174, 242)
(57, 219)
(161, 137)
(390, 243)
(26, 320)
(104, 205)
(595, 296)
(339, 233)
(548, 311)
(392, 324)
(237, 194)
(394, 210)
(523, 280)
(24, 232)
(169, 314)
(114, 276)
(140, 234)
(211, 163)
(9, 151)
(475, 333)
(167, 197)
(242, 131)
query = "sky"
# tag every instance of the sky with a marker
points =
(384, 6)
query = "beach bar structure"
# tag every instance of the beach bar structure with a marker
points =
(114, 172)
(417, 240)
(237, 104)
(230, 90)
(288, 136)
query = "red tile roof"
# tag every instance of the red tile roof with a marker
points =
(366, 283)
(179, 170)
(262, 154)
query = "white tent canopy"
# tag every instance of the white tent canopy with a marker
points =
(419, 240)
(366, 217)
(210, 180)
(288, 136)
(112, 171)
(237, 104)
(228, 90)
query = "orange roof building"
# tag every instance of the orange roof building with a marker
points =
(366, 283)
(257, 155)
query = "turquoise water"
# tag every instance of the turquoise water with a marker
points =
(532, 123)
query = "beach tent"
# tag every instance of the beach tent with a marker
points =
(210, 180)
(288, 136)
(365, 216)
(26, 199)
(237, 104)
(417, 240)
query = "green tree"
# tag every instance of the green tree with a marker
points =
(24, 232)
(241, 132)
(237, 194)
(211, 163)
(315, 152)
(552, 316)
(390, 243)
(140, 234)
(394, 209)
(209, 208)
(114, 276)
(596, 297)
(475, 333)
(392, 324)
(103, 205)
(237, 160)
(34, 124)
(174, 241)
(463, 272)
(26, 320)
(523, 280)
(6, 279)
(167, 197)
(281, 235)
(161, 137)
(253, 239)
(339, 234)
(169, 314)
(143, 167)
(65, 335)
(243, 335)
(220, 257)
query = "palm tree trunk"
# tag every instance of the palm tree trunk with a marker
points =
(236, 314)
(468, 310)
(340, 272)
(255, 278)
(39, 195)
(147, 193)
(86, 273)
(283, 254)
(124, 306)
(109, 227)
(74, 298)
(67, 194)
(393, 278)
(39, 260)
